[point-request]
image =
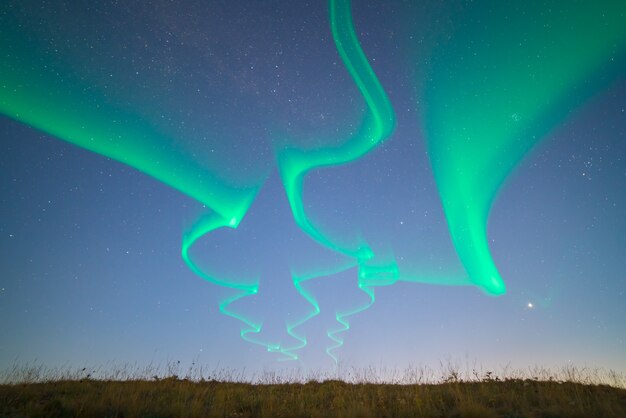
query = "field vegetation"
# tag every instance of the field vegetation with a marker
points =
(416, 392)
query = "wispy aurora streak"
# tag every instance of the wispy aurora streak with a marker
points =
(51, 98)
(377, 125)
(495, 91)
(486, 104)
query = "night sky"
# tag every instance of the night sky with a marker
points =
(258, 185)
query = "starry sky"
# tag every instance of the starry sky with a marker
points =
(259, 185)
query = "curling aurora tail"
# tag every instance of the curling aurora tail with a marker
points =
(242, 288)
(370, 276)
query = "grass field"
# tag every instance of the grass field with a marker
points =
(485, 396)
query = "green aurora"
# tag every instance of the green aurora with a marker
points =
(490, 96)
(494, 93)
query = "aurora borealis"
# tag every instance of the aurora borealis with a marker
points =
(343, 177)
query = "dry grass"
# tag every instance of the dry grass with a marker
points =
(569, 393)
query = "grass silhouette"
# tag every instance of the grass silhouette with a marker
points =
(34, 391)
